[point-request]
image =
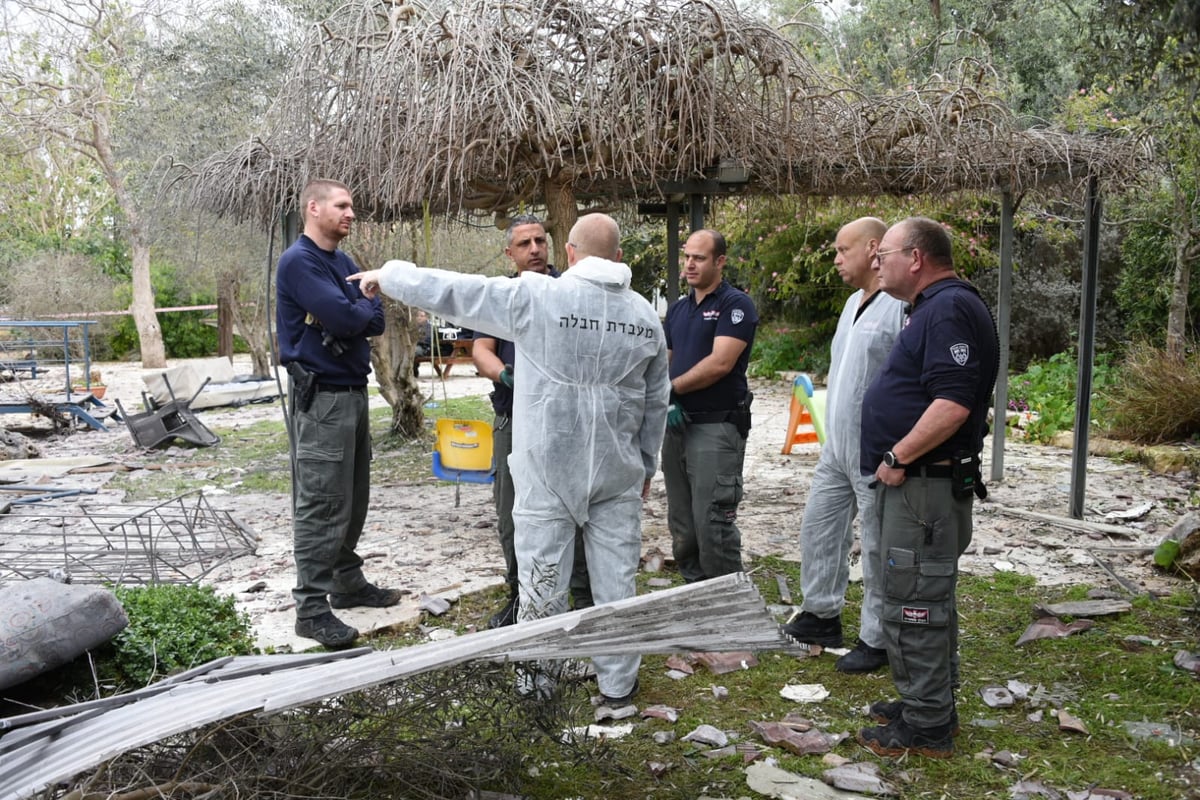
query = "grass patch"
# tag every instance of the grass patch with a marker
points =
(1098, 676)
(254, 458)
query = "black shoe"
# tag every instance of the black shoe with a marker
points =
(326, 629)
(863, 658)
(623, 700)
(886, 711)
(898, 738)
(505, 616)
(369, 596)
(809, 628)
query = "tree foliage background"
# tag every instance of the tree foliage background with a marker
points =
(85, 198)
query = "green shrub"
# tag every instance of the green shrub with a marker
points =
(1154, 397)
(175, 627)
(782, 348)
(1048, 388)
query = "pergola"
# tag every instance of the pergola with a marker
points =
(490, 106)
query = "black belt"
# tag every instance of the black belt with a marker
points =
(708, 417)
(337, 387)
(929, 470)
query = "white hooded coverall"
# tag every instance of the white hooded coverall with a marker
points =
(839, 489)
(589, 414)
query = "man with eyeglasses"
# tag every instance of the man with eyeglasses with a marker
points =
(868, 326)
(923, 422)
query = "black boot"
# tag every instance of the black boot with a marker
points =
(505, 616)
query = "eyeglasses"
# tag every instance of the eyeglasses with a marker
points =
(879, 254)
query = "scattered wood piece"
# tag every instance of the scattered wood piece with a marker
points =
(1082, 608)
(1126, 585)
(1068, 522)
(785, 594)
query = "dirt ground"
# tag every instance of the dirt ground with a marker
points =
(417, 538)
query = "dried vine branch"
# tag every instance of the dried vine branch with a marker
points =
(490, 104)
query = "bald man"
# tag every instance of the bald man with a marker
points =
(868, 327)
(589, 412)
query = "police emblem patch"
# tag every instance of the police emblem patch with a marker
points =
(960, 353)
(736, 316)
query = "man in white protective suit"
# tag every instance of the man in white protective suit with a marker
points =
(869, 324)
(589, 413)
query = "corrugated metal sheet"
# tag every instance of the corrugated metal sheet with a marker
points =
(47, 747)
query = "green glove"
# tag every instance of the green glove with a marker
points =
(506, 377)
(677, 418)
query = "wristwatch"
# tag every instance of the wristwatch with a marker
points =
(890, 460)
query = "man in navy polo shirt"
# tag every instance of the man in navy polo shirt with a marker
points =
(710, 333)
(923, 422)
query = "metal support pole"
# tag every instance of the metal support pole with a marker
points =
(1003, 328)
(1087, 345)
(696, 208)
(672, 251)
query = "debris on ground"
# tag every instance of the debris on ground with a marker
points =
(434, 605)
(997, 697)
(721, 663)
(1083, 608)
(1069, 722)
(1129, 514)
(1188, 661)
(709, 735)
(802, 743)
(804, 692)
(768, 779)
(661, 712)
(859, 777)
(1156, 732)
(1053, 628)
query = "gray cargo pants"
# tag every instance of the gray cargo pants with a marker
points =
(923, 531)
(702, 471)
(331, 485)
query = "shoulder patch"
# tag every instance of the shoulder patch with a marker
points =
(960, 353)
(736, 316)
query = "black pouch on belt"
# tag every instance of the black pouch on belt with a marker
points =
(304, 386)
(965, 476)
(741, 415)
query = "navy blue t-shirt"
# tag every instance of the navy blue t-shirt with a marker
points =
(947, 350)
(506, 351)
(690, 330)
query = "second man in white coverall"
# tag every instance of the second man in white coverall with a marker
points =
(869, 324)
(589, 413)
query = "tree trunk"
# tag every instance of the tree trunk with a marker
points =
(392, 359)
(561, 213)
(154, 354)
(227, 294)
(1184, 254)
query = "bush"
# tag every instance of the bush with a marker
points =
(1154, 397)
(782, 348)
(1048, 388)
(174, 627)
